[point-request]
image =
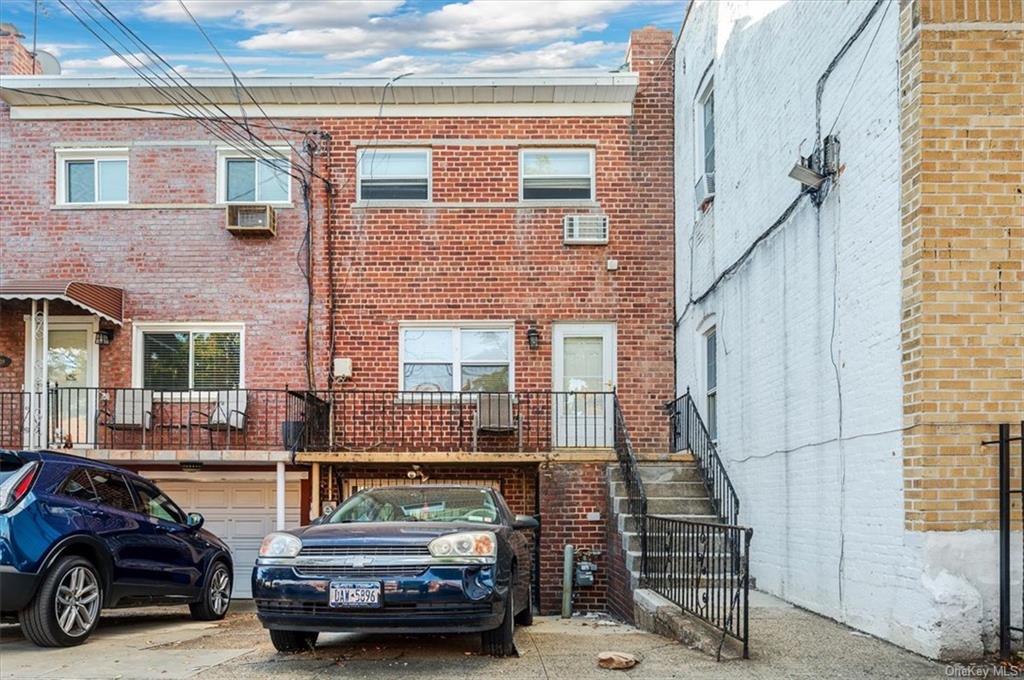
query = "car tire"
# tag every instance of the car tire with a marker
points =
(501, 640)
(293, 640)
(525, 617)
(72, 583)
(216, 596)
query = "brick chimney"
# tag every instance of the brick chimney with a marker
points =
(15, 60)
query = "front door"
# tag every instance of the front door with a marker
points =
(584, 377)
(72, 367)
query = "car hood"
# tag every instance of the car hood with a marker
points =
(385, 533)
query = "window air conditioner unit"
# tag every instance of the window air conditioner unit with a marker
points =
(705, 188)
(586, 229)
(250, 220)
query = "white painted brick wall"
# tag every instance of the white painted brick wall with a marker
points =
(828, 518)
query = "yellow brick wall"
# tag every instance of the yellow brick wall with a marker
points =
(962, 117)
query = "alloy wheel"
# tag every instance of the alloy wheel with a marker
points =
(220, 591)
(77, 601)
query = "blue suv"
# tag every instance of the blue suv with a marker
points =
(77, 536)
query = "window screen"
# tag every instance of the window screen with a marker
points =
(557, 174)
(393, 174)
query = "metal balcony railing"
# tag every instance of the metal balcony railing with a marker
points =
(305, 420)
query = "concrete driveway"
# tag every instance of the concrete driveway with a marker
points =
(165, 643)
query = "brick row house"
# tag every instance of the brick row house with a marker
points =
(428, 278)
(852, 343)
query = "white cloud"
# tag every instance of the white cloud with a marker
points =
(402, 63)
(108, 63)
(59, 49)
(287, 13)
(554, 57)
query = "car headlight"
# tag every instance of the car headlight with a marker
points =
(465, 544)
(280, 545)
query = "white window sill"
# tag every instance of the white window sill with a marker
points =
(160, 206)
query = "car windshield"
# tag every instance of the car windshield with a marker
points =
(418, 504)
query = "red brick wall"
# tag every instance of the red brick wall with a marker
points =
(567, 493)
(438, 264)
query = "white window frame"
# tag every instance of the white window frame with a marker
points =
(141, 328)
(96, 155)
(555, 151)
(226, 153)
(456, 328)
(706, 90)
(363, 150)
(709, 391)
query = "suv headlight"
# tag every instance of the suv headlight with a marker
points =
(280, 545)
(466, 544)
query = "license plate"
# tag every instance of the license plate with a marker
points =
(355, 595)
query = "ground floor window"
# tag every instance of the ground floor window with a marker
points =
(185, 358)
(438, 358)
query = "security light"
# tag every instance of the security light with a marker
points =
(803, 173)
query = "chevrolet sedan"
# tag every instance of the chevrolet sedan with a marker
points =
(402, 559)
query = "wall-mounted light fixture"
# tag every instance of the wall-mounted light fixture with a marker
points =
(104, 337)
(533, 337)
(191, 465)
(803, 172)
(5, 361)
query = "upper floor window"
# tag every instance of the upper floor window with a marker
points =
(189, 358)
(251, 177)
(556, 174)
(705, 143)
(453, 359)
(87, 176)
(711, 381)
(393, 174)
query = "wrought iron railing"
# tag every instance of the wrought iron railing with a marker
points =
(688, 432)
(636, 495)
(704, 569)
(304, 420)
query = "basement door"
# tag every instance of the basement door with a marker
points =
(583, 366)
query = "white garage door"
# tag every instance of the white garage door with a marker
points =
(240, 513)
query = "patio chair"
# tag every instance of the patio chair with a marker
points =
(228, 415)
(496, 413)
(132, 412)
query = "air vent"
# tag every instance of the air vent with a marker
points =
(586, 229)
(250, 220)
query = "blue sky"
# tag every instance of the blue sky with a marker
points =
(371, 37)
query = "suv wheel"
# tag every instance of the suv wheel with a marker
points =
(67, 607)
(293, 640)
(216, 595)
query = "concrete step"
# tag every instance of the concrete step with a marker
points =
(676, 472)
(668, 505)
(665, 489)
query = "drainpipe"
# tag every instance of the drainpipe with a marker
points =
(280, 495)
(567, 567)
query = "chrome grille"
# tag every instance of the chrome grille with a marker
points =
(336, 550)
(379, 571)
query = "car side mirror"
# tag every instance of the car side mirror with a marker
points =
(194, 520)
(327, 510)
(525, 522)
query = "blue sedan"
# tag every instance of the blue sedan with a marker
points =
(403, 559)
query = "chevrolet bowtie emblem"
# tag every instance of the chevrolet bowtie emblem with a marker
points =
(360, 561)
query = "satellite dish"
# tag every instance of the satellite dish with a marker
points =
(49, 63)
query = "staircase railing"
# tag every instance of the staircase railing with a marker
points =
(687, 431)
(636, 495)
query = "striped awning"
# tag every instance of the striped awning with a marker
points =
(104, 301)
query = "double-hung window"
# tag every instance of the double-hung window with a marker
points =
(86, 176)
(386, 174)
(456, 359)
(556, 174)
(711, 379)
(177, 358)
(253, 177)
(705, 143)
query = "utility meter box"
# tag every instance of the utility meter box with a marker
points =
(585, 573)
